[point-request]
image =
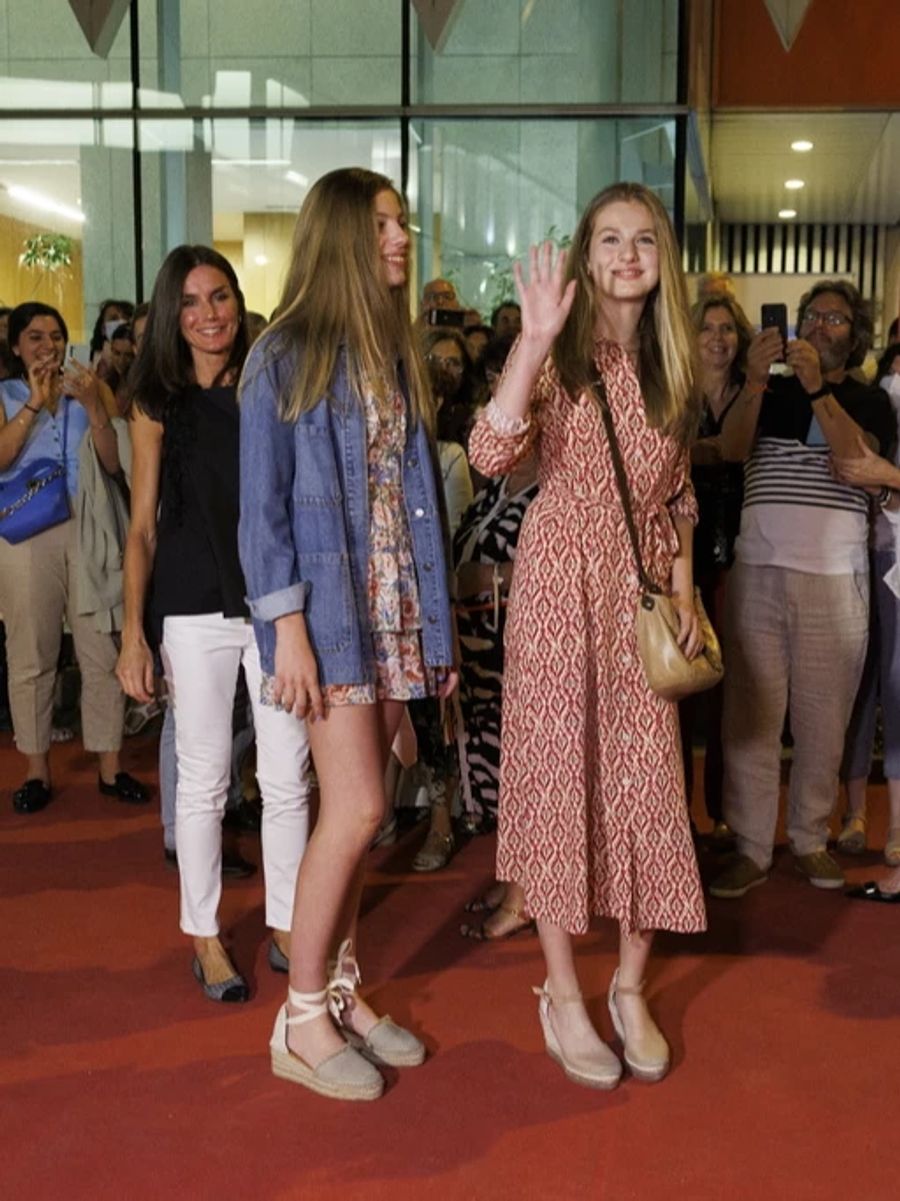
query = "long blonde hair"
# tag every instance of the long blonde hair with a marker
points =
(336, 299)
(666, 356)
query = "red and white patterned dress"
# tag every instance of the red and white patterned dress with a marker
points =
(592, 816)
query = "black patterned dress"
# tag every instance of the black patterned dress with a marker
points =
(488, 533)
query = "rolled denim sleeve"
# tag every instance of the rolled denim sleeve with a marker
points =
(265, 531)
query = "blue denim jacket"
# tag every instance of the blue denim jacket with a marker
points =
(303, 535)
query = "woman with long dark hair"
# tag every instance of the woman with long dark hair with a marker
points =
(183, 573)
(47, 413)
(592, 814)
(343, 549)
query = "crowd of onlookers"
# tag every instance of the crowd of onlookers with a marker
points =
(795, 555)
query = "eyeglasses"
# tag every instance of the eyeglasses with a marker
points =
(448, 364)
(828, 317)
(435, 297)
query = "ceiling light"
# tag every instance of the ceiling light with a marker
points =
(794, 185)
(45, 203)
(801, 145)
(297, 178)
(786, 214)
(260, 260)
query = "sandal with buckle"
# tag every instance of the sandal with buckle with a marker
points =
(852, 838)
(386, 1043)
(346, 1075)
(522, 921)
(599, 1070)
(648, 1060)
(435, 852)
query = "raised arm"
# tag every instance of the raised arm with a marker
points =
(14, 433)
(841, 432)
(100, 405)
(135, 666)
(546, 301)
(739, 427)
(500, 437)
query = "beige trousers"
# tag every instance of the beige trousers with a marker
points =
(792, 640)
(37, 591)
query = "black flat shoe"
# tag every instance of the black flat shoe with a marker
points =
(33, 796)
(232, 990)
(871, 892)
(278, 961)
(126, 788)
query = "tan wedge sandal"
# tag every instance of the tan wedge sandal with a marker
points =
(599, 1070)
(648, 1059)
(346, 1075)
(386, 1042)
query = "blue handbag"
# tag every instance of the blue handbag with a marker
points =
(37, 497)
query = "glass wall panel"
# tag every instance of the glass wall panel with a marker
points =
(548, 52)
(69, 184)
(285, 53)
(238, 184)
(483, 191)
(46, 60)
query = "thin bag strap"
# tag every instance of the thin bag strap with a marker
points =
(598, 388)
(65, 437)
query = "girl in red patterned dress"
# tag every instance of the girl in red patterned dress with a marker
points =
(592, 816)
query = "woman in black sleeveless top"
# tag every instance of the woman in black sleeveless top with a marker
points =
(182, 568)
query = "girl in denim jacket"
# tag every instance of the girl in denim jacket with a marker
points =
(342, 546)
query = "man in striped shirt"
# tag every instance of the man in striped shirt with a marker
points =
(798, 595)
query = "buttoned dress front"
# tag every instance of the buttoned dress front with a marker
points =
(592, 813)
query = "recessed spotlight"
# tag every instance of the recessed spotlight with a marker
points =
(260, 260)
(794, 185)
(787, 214)
(801, 145)
(297, 178)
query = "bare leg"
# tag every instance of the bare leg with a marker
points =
(856, 797)
(359, 1016)
(214, 960)
(571, 1023)
(893, 787)
(38, 768)
(634, 951)
(350, 751)
(109, 766)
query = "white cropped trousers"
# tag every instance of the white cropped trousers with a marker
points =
(201, 655)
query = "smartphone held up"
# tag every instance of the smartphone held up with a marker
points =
(775, 316)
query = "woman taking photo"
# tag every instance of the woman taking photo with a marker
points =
(182, 567)
(343, 549)
(723, 336)
(46, 413)
(592, 814)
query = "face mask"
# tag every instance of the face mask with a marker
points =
(110, 327)
(891, 385)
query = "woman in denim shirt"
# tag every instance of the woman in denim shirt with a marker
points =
(342, 546)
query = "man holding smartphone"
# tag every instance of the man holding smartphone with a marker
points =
(797, 623)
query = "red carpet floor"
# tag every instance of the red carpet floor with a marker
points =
(120, 1080)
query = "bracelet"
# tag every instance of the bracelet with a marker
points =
(31, 408)
(825, 390)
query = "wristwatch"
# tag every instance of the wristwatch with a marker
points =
(825, 390)
(884, 497)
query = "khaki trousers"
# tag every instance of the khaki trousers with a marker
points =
(798, 639)
(37, 591)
